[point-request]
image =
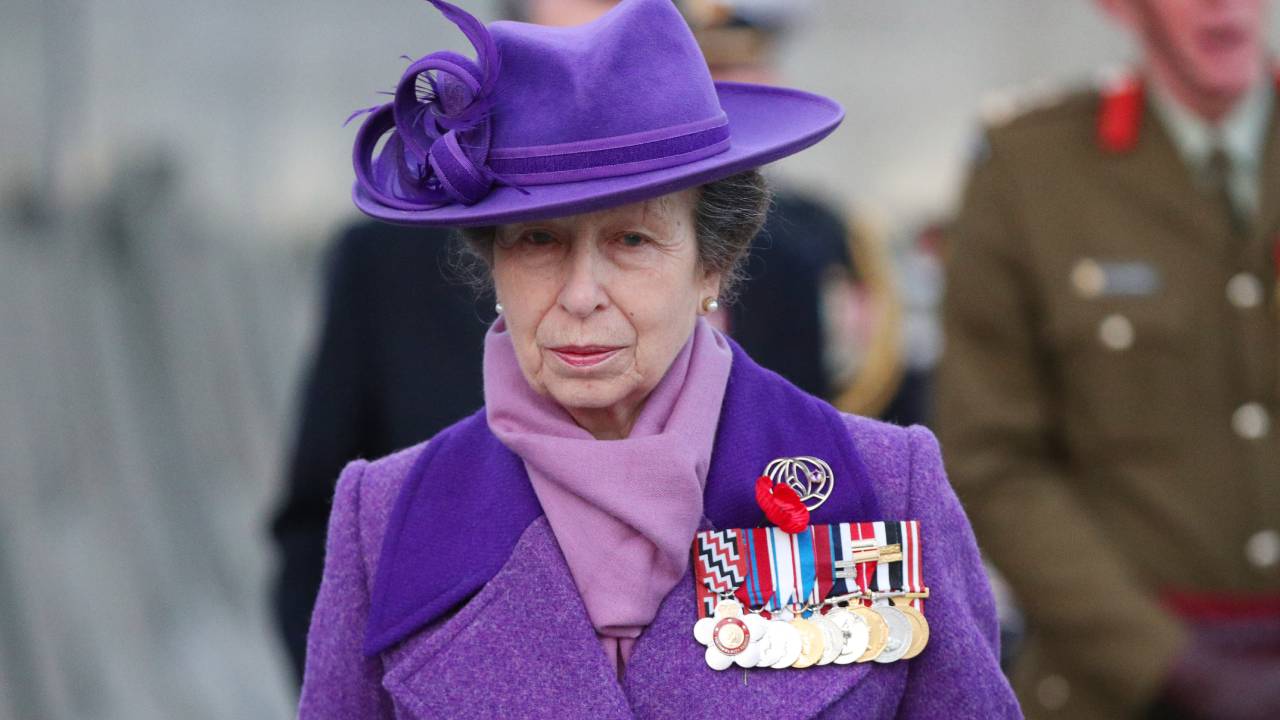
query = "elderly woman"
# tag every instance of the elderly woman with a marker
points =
(534, 560)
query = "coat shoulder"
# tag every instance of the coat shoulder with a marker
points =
(1040, 113)
(1040, 130)
(379, 486)
(888, 452)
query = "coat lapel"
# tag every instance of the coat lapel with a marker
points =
(668, 677)
(522, 647)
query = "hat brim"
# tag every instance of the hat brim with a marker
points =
(765, 124)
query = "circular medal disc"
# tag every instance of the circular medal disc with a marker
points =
(877, 632)
(919, 631)
(856, 634)
(811, 643)
(832, 639)
(773, 644)
(716, 659)
(899, 633)
(791, 644)
(731, 636)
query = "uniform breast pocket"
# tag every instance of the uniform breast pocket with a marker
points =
(1125, 371)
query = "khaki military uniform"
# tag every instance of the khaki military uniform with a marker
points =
(1108, 396)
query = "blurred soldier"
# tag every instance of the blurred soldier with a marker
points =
(1109, 388)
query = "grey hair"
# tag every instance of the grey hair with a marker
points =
(727, 216)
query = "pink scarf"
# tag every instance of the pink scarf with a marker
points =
(623, 511)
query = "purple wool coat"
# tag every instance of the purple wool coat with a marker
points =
(523, 646)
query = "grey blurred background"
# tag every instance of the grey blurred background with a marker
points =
(169, 174)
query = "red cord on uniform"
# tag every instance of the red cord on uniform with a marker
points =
(781, 505)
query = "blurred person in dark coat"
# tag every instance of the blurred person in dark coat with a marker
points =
(396, 360)
(1109, 386)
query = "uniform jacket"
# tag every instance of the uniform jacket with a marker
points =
(1105, 393)
(446, 638)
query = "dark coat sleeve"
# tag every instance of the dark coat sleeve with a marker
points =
(333, 421)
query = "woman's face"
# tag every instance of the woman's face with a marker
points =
(598, 305)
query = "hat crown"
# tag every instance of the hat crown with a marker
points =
(635, 69)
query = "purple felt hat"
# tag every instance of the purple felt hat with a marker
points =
(551, 121)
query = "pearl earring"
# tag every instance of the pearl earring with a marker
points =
(497, 307)
(710, 305)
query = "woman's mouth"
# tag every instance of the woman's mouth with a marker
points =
(583, 356)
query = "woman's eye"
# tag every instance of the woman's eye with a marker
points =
(539, 237)
(633, 240)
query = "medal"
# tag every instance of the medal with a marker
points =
(731, 637)
(913, 583)
(832, 639)
(811, 643)
(899, 638)
(856, 635)
(877, 632)
(773, 645)
(919, 627)
(792, 645)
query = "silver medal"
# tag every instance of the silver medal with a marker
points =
(833, 639)
(773, 645)
(856, 635)
(899, 633)
(791, 644)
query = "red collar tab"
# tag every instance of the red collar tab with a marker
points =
(1120, 115)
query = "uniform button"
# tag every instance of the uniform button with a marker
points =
(1251, 421)
(1053, 692)
(1263, 549)
(1244, 290)
(1088, 278)
(1116, 332)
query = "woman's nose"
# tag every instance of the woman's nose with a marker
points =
(583, 291)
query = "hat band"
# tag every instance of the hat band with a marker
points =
(612, 156)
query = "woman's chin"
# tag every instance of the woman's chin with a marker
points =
(589, 394)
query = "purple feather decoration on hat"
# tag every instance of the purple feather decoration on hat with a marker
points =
(439, 123)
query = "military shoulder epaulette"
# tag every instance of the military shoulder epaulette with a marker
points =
(1003, 107)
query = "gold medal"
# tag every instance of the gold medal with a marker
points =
(919, 627)
(811, 644)
(878, 634)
